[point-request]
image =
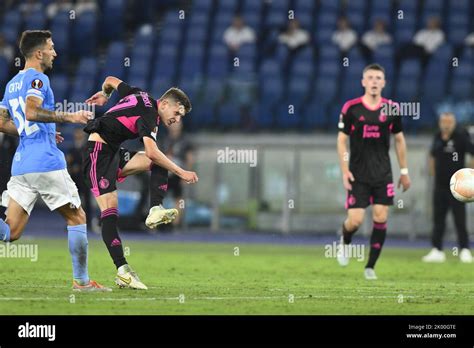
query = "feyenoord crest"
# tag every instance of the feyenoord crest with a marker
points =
(104, 183)
(37, 84)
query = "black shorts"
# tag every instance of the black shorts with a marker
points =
(363, 194)
(102, 166)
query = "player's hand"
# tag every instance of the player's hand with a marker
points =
(189, 177)
(347, 178)
(59, 138)
(81, 116)
(97, 99)
(405, 182)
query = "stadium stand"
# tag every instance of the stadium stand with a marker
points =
(165, 47)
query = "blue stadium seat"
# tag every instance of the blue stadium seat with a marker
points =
(330, 6)
(84, 34)
(279, 5)
(330, 69)
(192, 63)
(218, 64)
(315, 115)
(459, 5)
(214, 89)
(4, 69)
(351, 87)
(229, 115)
(356, 6)
(406, 89)
(298, 89)
(433, 5)
(60, 86)
(82, 88)
(165, 63)
(434, 88)
(270, 67)
(271, 89)
(202, 6)
(263, 115)
(327, 21)
(223, 19)
(462, 88)
(306, 6)
(228, 5)
(407, 5)
(329, 53)
(196, 34)
(384, 52)
(253, 20)
(457, 35)
(11, 26)
(302, 67)
(286, 118)
(200, 19)
(276, 19)
(87, 66)
(190, 86)
(114, 62)
(410, 68)
(160, 85)
(358, 21)
(112, 24)
(324, 37)
(35, 20)
(252, 6)
(305, 19)
(326, 89)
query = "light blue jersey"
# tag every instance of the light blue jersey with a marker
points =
(37, 152)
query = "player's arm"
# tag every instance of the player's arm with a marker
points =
(7, 125)
(431, 165)
(401, 150)
(110, 85)
(343, 154)
(34, 112)
(160, 159)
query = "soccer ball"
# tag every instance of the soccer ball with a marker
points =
(462, 185)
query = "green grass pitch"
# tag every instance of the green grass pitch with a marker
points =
(198, 278)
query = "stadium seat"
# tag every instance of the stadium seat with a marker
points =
(35, 20)
(84, 34)
(11, 26)
(288, 115)
(229, 115)
(114, 62)
(112, 25)
(410, 68)
(406, 89)
(192, 61)
(4, 70)
(228, 5)
(298, 89)
(326, 89)
(314, 115)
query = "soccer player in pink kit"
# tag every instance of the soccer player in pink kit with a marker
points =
(366, 170)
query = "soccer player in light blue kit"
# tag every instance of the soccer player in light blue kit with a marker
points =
(39, 167)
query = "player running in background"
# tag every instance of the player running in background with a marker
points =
(136, 115)
(39, 167)
(367, 173)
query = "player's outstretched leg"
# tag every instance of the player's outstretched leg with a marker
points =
(78, 248)
(158, 215)
(158, 186)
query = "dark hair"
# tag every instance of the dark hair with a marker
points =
(178, 96)
(374, 66)
(32, 39)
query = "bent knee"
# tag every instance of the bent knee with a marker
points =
(77, 218)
